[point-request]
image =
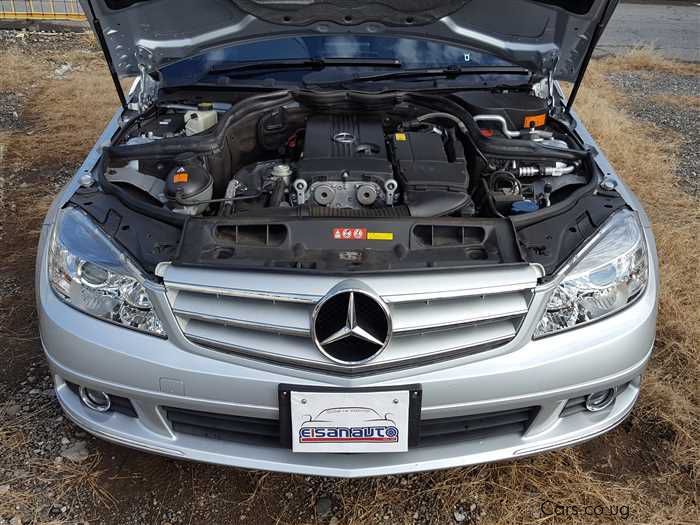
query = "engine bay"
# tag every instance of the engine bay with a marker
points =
(351, 162)
(280, 176)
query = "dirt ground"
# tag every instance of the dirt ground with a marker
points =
(55, 98)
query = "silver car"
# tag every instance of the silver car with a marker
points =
(347, 239)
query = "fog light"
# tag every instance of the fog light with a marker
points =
(600, 400)
(95, 399)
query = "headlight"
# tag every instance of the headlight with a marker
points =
(88, 272)
(607, 278)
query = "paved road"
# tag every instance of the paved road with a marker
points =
(673, 28)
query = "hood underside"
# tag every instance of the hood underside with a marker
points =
(541, 35)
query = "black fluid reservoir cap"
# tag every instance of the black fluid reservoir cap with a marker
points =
(188, 180)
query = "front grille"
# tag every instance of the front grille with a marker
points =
(476, 426)
(435, 315)
(224, 427)
(241, 429)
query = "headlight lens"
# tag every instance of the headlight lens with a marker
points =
(608, 278)
(88, 272)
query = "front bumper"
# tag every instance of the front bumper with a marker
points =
(154, 373)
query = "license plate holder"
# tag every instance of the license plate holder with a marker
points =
(348, 417)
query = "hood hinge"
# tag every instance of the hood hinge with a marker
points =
(550, 90)
(147, 85)
(544, 89)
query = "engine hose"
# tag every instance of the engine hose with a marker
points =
(200, 144)
(181, 202)
(152, 110)
(526, 149)
(431, 116)
(444, 105)
(195, 144)
(489, 200)
(466, 123)
(494, 147)
(460, 124)
(504, 175)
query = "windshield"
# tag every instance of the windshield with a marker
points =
(408, 52)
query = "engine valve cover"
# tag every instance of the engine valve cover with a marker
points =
(345, 147)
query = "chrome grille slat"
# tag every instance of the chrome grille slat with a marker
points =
(238, 323)
(246, 294)
(393, 288)
(456, 312)
(297, 351)
(268, 315)
(452, 341)
(448, 294)
(429, 330)
(254, 314)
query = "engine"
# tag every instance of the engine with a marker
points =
(307, 157)
(350, 161)
(345, 164)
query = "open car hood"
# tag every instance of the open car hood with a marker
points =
(544, 36)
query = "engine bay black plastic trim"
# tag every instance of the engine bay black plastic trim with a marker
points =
(554, 239)
(147, 240)
(310, 245)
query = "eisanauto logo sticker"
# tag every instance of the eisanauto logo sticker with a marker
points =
(370, 427)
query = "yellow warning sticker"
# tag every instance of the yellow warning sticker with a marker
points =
(380, 236)
(400, 137)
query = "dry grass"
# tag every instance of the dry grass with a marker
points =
(66, 113)
(19, 73)
(67, 119)
(672, 388)
(650, 464)
(682, 102)
(646, 58)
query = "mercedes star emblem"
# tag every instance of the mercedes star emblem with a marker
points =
(351, 326)
(344, 137)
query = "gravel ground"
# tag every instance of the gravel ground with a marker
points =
(58, 450)
(10, 111)
(682, 120)
(38, 41)
(658, 84)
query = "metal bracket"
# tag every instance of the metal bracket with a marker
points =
(154, 186)
(146, 87)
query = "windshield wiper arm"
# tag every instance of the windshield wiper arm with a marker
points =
(306, 63)
(447, 72)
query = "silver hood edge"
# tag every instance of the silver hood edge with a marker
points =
(539, 35)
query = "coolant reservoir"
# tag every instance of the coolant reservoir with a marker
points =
(200, 120)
